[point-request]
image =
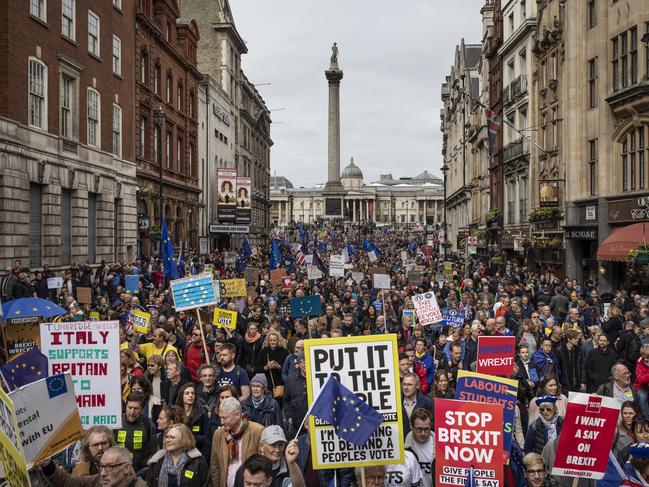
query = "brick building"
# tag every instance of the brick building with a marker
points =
(166, 80)
(67, 145)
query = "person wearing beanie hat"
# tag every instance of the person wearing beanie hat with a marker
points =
(260, 379)
(260, 406)
(546, 428)
(636, 468)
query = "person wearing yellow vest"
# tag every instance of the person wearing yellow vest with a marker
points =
(137, 434)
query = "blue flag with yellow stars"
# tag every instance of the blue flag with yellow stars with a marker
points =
(168, 261)
(56, 385)
(353, 420)
(306, 306)
(25, 369)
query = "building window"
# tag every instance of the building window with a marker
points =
(555, 67)
(191, 160)
(142, 137)
(168, 153)
(93, 33)
(179, 96)
(38, 8)
(592, 83)
(67, 19)
(180, 147)
(634, 149)
(632, 154)
(117, 55)
(156, 79)
(592, 14)
(511, 192)
(191, 105)
(592, 167)
(117, 4)
(144, 65)
(624, 78)
(625, 168)
(37, 94)
(555, 128)
(157, 133)
(641, 157)
(615, 64)
(169, 32)
(522, 200)
(117, 130)
(633, 55)
(94, 107)
(170, 88)
(68, 106)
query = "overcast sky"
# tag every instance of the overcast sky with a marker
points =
(394, 56)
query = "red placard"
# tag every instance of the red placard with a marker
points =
(468, 434)
(286, 283)
(586, 436)
(276, 276)
(496, 355)
(427, 250)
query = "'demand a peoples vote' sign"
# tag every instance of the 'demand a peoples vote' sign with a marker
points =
(366, 366)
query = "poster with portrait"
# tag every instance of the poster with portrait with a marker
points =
(244, 188)
(226, 197)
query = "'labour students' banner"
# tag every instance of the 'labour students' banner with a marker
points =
(366, 366)
(12, 457)
(468, 435)
(89, 350)
(586, 436)
(493, 390)
(427, 309)
(496, 355)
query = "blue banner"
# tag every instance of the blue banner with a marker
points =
(132, 283)
(306, 306)
(193, 292)
(453, 317)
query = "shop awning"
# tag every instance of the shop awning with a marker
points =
(618, 245)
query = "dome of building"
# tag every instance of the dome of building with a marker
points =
(280, 182)
(426, 177)
(352, 171)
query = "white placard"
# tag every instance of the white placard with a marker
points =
(313, 273)
(336, 266)
(358, 276)
(382, 281)
(372, 256)
(427, 309)
(54, 282)
(404, 255)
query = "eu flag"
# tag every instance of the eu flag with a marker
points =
(180, 265)
(412, 246)
(275, 255)
(25, 369)
(168, 261)
(306, 306)
(56, 385)
(353, 420)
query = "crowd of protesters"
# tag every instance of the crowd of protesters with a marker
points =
(226, 413)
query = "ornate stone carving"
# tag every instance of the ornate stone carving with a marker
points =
(97, 182)
(72, 172)
(118, 189)
(42, 165)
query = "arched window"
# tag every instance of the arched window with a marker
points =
(634, 156)
(37, 85)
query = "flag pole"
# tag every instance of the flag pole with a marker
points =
(200, 326)
(308, 412)
(363, 476)
(385, 316)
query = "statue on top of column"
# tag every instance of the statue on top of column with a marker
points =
(334, 54)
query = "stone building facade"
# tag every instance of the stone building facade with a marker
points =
(167, 82)
(67, 126)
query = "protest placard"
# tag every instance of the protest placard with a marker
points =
(313, 273)
(48, 418)
(427, 309)
(586, 436)
(448, 270)
(132, 283)
(229, 257)
(372, 256)
(276, 276)
(287, 283)
(224, 318)
(427, 250)
(140, 320)
(251, 275)
(468, 434)
(209, 268)
(89, 350)
(366, 366)
(54, 282)
(336, 266)
(21, 335)
(377, 270)
(453, 317)
(357, 277)
(381, 281)
(404, 255)
(410, 313)
(493, 390)
(194, 292)
(306, 306)
(84, 295)
(414, 277)
(233, 288)
(496, 355)
(12, 457)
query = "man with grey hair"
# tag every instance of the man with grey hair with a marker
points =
(233, 443)
(374, 475)
(115, 470)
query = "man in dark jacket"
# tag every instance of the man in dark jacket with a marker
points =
(599, 363)
(412, 399)
(545, 360)
(627, 346)
(23, 288)
(569, 355)
(137, 434)
(295, 398)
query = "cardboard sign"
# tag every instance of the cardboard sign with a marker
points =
(47, 413)
(233, 288)
(415, 277)
(313, 273)
(366, 366)
(54, 282)
(586, 436)
(287, 283)
(381, 281)
(89, 350)
(276, 276)
(21, 335)
(468, 434)
(195, 292)
(84, 295)
(357, 277)
(448, 270)
(12, 457)
(496, 355)
(140, 321)
(377, 270)
(427, 309)
(336, 266)
(404, 255)
(493, 390)
(251, 275)
(132, 283)
(411, 314)
(224, 318)
(453, 317)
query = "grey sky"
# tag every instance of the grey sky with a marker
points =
(394, 54)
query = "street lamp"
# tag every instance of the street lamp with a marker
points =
(159, 121)
(445, 169)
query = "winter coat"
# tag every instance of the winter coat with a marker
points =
(537, 435)
(422, 402)
(598, 367)
(641, 375)
(266, 355)
(295, 398)
(570, 366)
(195, 473)
(266, 414)
(220, 459)
(546, 365)
(612, 328)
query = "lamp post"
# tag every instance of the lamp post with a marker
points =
(159, 122)
(444, 171)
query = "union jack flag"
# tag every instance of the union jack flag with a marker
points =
(300, 257)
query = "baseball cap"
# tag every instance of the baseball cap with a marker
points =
(272, 434)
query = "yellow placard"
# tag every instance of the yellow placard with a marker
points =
(94, 316)
(233, 288)
(224, 318)
(140, 321)
(11, 453)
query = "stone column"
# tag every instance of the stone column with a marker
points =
(334, 75)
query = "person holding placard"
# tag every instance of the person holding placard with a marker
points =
(546, 428)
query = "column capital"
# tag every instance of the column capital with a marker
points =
(334, 76)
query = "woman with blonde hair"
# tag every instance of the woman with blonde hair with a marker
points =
(270, 361)
(613, 326)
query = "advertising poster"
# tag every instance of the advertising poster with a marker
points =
(496, 355)
(21, 335)
(427, 309)
(48, 417)
(244, 208)
(224, 318)
(366, 366)
(586, 436)
(226, 196)
(468, 434)
(12, 456)
(492, 390)
(89, 351)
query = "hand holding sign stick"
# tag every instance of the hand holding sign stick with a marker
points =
(200, 327)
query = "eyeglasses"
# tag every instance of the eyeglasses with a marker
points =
(109, 468)
(546, 408)
(422, 430)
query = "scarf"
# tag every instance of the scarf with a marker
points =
(168, 468)
(253, 338)
(418, 355)
(256, 402)
(551, 427)
(232, 439)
